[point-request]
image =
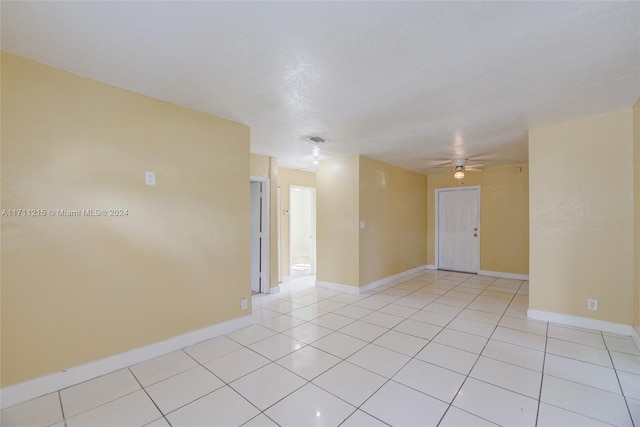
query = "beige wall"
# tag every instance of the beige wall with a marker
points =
(267, 167)
(286, 178)
(395, 215)
(504, 216)
(581, 217)
(76, 289)
(636, 194)
(337, 213)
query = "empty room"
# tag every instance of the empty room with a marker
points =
(314, 213)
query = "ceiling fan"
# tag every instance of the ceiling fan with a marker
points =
(461, 165)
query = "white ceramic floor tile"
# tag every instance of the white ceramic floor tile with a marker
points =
(346, 298)
(416, 300)
(308, 313)
(282, 323)
(506, 375)
(353, 312)
(332, 321)
(374, 302)
(433, 380)
(398, 405)
(308, 362)
(496, 404)
(361, 419)
(379, 360)
(553, 416)
(418, 329)
(626, 362)
(443, 309)
(234, 365)
(251, 334)
(42, 411)
(363, 330)
(177, 391)
(267, 385)
(382, 319)
(630, 384)
(160, 422)
(310, 406)
(97, 391)
(524, 339)
(574, 335)
(260, 315)
(162, 367)
(339, 344)
(514, 354)
(458, 418)
(283, 307)
(452, 301)
(582, 372)
(471, 327)
(461, 340)
(260, 421)
(622, 345)
(400, 342)
(533, 327)
(432, 318)
(328, 305)
(448, 357)
(135, 409)
(308, 333)
(350, 382)
(208, 350)
(576, 351)
(489, 307)
(223, 407)
(479, 316)
(276, 346)
(591, 402)
(634, 408)
(398, 310)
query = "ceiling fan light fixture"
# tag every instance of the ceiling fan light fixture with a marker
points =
(459, 174)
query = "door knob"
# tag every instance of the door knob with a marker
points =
(475, 234)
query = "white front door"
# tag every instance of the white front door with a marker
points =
(458, 224)
(256, 235)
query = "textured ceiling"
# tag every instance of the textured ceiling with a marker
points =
(409, 83)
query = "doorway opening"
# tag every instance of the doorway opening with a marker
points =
(259, 235)
(458, 229)
(302, 231)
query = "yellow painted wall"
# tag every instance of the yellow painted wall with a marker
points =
(504, 216)
(394, 209)
(267, 167)
(581, 217)
(286, 178)
(76, 289)
(636, 195)
(337, 220)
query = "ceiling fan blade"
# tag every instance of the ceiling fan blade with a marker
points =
(472, 169)
(475, 165)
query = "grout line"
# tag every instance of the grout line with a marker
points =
(544, 359)
(619, 382)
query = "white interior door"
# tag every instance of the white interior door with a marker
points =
(256, 238)
(459, 229)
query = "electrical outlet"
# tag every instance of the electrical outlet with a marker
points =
(243, 303)
(592, 304)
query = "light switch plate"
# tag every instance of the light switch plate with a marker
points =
(150, 178)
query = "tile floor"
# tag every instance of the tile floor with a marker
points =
(442, 348)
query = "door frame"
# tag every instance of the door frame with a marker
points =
(437, 213)
(313, 221)
(265, 286)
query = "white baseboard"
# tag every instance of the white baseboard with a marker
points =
(354, 290)
(503, 275)
(387, 281)
(582, 322)
(274, 289)
(286, 279)
(430, 267)
(27, 390)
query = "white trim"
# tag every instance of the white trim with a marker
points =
(430, 267)
(338, 287)
(437, 227)
(286, 279)
(27, 390)
(581, 322)
(503, 275)
(387, 281)
(274, 289)
(400, 277)
(265, 277)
